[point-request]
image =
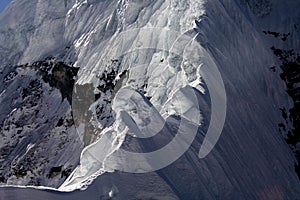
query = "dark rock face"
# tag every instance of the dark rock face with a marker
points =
(54, 171)
(58, 75)
(282, 36)
(36, 124)
(101, 95)
(290, 66)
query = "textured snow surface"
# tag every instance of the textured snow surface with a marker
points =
(251, 159)
(37, 129)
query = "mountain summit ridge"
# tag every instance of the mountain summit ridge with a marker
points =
(63, 39)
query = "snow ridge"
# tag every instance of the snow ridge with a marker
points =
(106, 40)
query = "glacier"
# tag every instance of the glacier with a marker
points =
(137, 77)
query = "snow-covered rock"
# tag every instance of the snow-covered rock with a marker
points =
(140, 51)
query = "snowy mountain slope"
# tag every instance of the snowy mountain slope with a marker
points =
(250, 161)
(37, 128)
(26, 28)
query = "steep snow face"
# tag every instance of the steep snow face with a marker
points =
(37, 128)
(28, 29)
(122, 48)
